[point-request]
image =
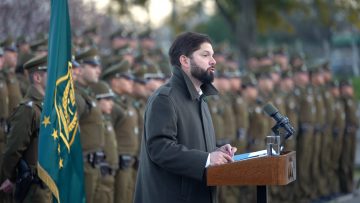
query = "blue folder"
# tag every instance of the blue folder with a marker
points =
(240, 157)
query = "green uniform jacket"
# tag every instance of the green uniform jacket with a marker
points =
(110, 148)
(90, 121)
(23, 135)
(125, 121)
(216, 111)
(178, 137)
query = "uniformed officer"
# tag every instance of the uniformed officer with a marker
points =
(258, 124)
(147, 40)
(155, 78)
(337, 134)
(222, 84)
(240, 108)
(287, 86)
(327, 142)
(276, 97)
(241, 123)
(227, 194)
(105, 190)
(280, 57)
(319, 139)
(92, 38)
(140, 94)
(258, 121)
(286, 93)
(265, 83)
(306, 112)
(125, 121)
(21, 150)
(90, 120)
(216, 110)
(347, 163)
(10, 60)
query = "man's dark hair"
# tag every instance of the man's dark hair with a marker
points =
(186, 44)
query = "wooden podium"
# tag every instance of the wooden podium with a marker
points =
(260, 171)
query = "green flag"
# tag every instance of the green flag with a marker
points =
(60, 156)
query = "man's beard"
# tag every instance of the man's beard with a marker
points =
(204, 76)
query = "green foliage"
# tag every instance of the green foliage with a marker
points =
(218, 29)
(270, 14)
(350, 9)
(122, 7)
(140, 2)
(324, 9)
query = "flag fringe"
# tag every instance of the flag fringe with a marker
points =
(45, 177)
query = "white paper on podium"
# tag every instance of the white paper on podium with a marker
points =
(250, 155)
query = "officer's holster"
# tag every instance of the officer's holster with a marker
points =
(24, 179)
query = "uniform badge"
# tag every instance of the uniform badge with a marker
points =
(29, 104)
(93, 104)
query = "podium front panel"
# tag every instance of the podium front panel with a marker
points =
(266, 170)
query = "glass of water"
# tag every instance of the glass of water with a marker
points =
(273, 145)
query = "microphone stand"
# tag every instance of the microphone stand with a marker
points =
(275, 129)
(261, 190)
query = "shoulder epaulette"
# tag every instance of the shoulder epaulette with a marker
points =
(28, 103)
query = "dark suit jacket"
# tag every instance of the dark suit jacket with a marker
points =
(178, 137)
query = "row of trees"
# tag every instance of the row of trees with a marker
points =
(29, 18)
(244, 23)
(247, 21)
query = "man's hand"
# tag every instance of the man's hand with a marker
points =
(228, 149)
(218, 157)
(7, 186)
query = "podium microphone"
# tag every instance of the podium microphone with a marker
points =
(281, 120)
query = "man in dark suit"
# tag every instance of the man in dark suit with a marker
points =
(179, 139)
